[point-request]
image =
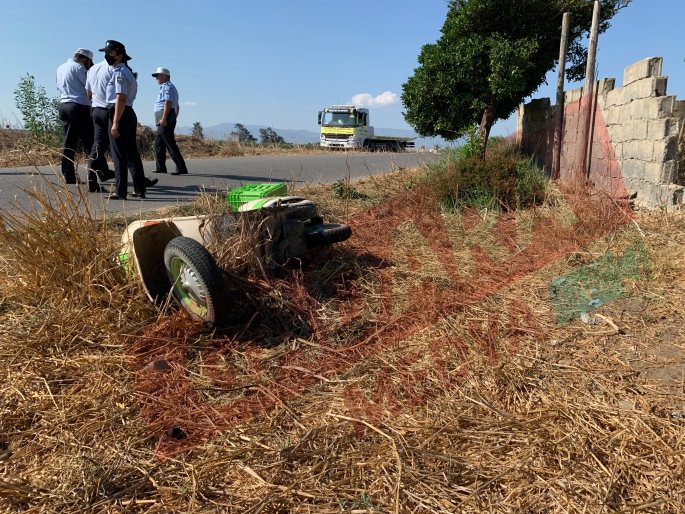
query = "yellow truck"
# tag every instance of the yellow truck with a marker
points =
(345, 126)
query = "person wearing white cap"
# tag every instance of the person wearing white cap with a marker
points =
(74, 109)
(166, 114)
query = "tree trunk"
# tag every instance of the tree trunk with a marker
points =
(489, 117)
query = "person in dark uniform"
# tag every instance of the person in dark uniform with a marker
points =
(96, 88)
(121, 93)
(74, 109)
(166, 114)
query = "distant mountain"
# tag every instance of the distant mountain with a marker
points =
(222, 131)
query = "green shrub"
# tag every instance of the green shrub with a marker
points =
(472, 147)
(448, 157)
(495, 140)
(341, 189)
(531, 183)
(39, 112)
(506, 180)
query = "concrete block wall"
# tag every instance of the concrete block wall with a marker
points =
(638, 139)
(679, 113)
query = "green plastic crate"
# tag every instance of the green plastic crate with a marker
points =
(250, 192)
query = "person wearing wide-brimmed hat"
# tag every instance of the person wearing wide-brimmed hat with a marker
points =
(166, 114)
(74, 109)
(96, 88)
(121, 93)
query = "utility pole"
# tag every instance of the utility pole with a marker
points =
(559, 120)
(589, 86)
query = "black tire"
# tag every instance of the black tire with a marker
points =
(303, 212)
(367, 146)
(197, 282)
(327, 234)
(281, 252)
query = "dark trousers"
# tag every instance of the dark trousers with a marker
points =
(76, 124)
(125, 153)
(97, 161)
(165, 140)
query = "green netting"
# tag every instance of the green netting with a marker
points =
(597, 283)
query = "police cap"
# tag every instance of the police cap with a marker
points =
(117, 47)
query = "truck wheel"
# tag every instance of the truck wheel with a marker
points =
(366, 146)
(326, 234)
(197, 282)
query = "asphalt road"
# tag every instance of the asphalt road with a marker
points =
(212, 175)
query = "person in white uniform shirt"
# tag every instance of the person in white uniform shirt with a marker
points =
(166, 115)
(96, 88)
(74, 109)
(123, 122)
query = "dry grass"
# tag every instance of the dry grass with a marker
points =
(403, 380)
(16, 150)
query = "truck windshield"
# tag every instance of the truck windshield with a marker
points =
(339, 119)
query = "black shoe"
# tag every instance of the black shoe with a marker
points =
(70, 180)
(114, 196)
(94, 188)
(179, 172)
(158, 171)
(138, 195)
(150, 183)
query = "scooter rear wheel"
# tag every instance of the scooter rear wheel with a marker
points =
(197, 281)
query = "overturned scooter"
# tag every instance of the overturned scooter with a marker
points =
(171, 254)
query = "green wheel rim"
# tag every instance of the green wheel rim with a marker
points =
(190, 290)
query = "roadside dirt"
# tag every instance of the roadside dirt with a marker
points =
(323, 399)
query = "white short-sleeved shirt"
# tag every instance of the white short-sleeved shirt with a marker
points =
(98, 78)
(71, 83)
(167, 93)
(122, 82)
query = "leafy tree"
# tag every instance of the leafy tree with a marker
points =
(242, 135)
(39, 112)
(268, 135)
(492, 55)
(198, 132)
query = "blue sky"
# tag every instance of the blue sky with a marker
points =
(278, 63)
